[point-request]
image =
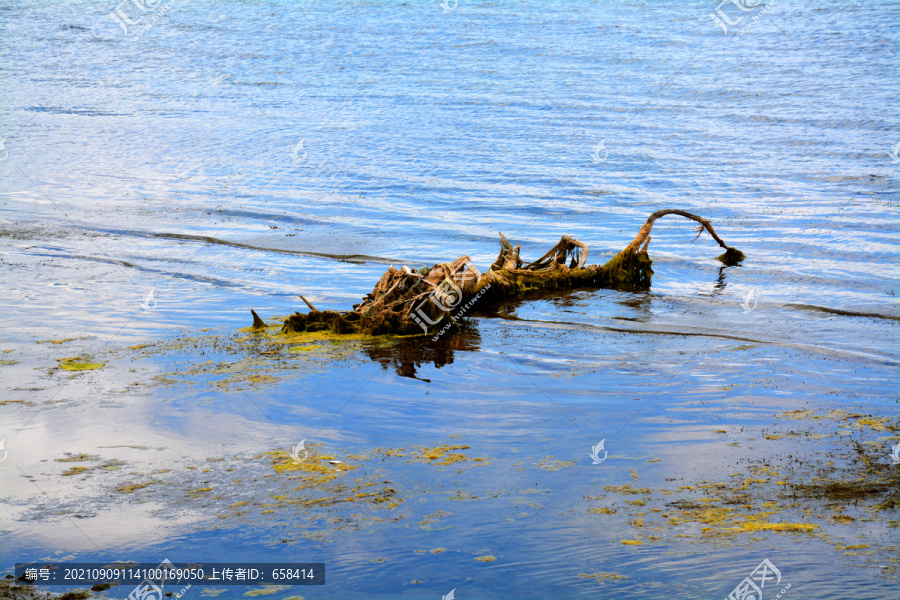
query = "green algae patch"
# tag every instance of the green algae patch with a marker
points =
(633, 542)
(77, 363)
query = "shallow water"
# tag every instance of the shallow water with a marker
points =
(163, 162)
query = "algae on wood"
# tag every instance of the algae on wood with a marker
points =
(407, 301)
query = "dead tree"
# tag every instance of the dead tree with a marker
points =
(407, 301)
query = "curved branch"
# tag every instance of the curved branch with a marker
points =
(731, 255)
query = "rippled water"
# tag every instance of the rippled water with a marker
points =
(172, 161)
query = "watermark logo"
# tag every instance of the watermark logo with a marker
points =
(5, 453)
(296, 151)
(130, 13)
(895, 151)
(450, 595)
(296, 450)
(149, 302)
(749, 303)
(599, 149)
(730, 13)
(737, 8)
(3, 150)
(447, 295)
(596, 450)
(146, 591)
(751, 588)
(895, 454)
(448, 5)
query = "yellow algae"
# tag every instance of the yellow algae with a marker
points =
(433, 517)
(137, 346)
(601, 576)
(432, 454)
(634, 474)
(802, 413)
(198, 490)
(438, 550)
(875, 424)
(653, 460)
(452, 458)
(79, 458)
(548, 464)
(56, 341)
(837, 414)
(627, 489)
(843, 518)
(637, 502)
(133, 487)
(750, 526)
(76, 363)
(315, 336)
(853, 547)
(712, 516)
(633, 542)
(720, 431)
(602, 511)
(486, 558)
(236, 504)
(307, 348)
(77, 471)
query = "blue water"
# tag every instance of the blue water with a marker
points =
(171, 160)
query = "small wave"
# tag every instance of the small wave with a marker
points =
(840, 311)
(353, 258)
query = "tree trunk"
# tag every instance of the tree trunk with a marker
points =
(406, 302)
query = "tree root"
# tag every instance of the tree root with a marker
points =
(405, 301)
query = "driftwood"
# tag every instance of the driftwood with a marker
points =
(407, 301)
